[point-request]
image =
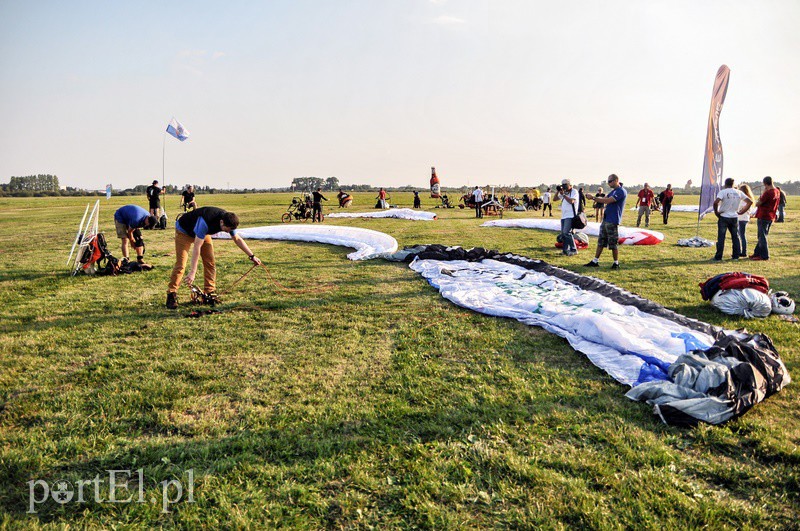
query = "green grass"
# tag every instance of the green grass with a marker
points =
(370, 401)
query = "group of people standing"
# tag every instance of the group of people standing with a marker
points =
(732, 208)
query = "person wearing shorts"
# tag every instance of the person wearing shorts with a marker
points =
(127, 222)
(153, 193)
(612, 217)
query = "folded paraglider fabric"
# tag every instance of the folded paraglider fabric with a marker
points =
(636, 341)
(367, 243)
(627, 235)
(695, 241)
(746, 302)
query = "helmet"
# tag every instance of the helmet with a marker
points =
(781, 303)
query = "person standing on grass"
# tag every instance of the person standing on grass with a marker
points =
(612, 218)
(666, 198)
(598, 207)
(153, 193)
(546, 203)
(728, 207)
(781, 205)
(196, 228)
(581, 200)
(569, 209)
(766, 208)
(477, 196)
(316, 212)
(643, 201)
(381, 198)
(127, 222)
(744, 219)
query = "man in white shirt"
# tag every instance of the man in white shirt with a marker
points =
(546, 203)
(569, 209)
(728, 205)
(477, 196)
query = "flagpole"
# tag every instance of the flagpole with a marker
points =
(163, 158)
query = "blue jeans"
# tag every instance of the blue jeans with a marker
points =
(780, 214)
(743, 237)
(567, 237)
(762, 248)
(725, 225)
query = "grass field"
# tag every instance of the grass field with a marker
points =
(368, 401)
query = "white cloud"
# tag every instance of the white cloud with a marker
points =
(447, 20)
(217, 55)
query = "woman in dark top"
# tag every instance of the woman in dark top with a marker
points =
(599, 207)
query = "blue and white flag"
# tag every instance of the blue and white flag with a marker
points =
(176, 129)
(108, 191)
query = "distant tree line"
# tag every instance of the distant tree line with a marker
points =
(32, 183)
(43, 185)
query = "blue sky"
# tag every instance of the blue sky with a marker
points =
(490, 92)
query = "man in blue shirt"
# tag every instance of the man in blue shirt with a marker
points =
(609, 233)
(127, 222)
(195, 228)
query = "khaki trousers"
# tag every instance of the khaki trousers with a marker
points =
(183, 244)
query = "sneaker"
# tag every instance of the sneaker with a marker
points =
(172, 300)
(592, 264)
(757, 258)
(615, 266)
(715, 259)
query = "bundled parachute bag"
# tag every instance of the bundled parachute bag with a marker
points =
(581, 240)
(747, 302)
(724, 281)
(581, 237)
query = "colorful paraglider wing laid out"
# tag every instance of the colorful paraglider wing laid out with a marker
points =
(367, 243)
(397, 213)
(682, 208)
(636, 341)
(627, 236)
